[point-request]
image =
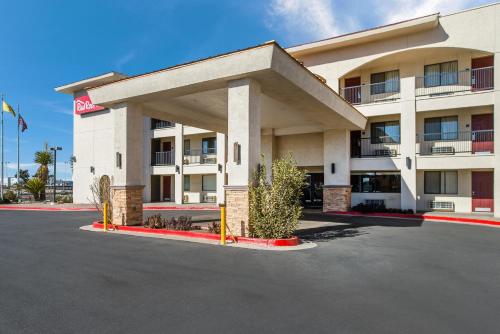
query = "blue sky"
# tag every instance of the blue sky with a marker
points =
(45, 44)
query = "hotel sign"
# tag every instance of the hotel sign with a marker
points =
(83, 105)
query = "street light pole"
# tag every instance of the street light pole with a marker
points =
(55, 149)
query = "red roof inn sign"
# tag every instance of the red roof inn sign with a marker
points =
(83, 105)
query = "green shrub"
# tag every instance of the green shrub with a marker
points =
(35, 186)
(9, 196)
(64, 199)
(275, 207)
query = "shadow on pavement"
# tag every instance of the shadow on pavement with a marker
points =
(337, 226)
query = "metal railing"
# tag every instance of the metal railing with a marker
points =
(449, 143)
(200, 157)
(165, 158)
(477, 79)
(158, 124)
(377, 147)
(371, 93)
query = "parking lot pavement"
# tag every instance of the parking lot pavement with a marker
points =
(366, 276)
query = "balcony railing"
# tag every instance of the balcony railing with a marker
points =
(199, 157)
(449, 143)
(158, 124)
(379, 147)
(371, 93)
(165, 158)
(477, 79)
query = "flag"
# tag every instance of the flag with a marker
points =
(7, 108)
(22, 124)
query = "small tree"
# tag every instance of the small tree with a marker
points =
(101, 193)
(35, 186)
(24, 175)
(44, 158)
(275, 207)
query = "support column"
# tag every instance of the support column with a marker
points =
(244, 110)
(128, 159)
(269, 150)
(221, 167)
(337, 187)
(408, 143)
(179, 163)
(496, 126)
(148, 136)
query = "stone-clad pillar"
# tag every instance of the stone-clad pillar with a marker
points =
(127, 183)
(244, 110)
(337, 177)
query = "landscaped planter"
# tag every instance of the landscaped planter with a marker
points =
(293, 241)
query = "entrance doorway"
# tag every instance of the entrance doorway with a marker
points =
(313, 191)
(482, 133)
(482, 73)
(482, 191)
(167, 183)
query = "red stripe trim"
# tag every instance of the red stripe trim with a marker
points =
(424, 217)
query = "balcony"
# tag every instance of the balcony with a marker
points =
(380, 147)
(450, 143)
(377, 92)
(166, 158)
(475, 80)
(195, 157)
(157, 124)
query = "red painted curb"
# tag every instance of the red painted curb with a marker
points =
(294, 241)
(175, 208)
(424, 217)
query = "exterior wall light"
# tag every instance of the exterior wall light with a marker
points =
(408, 162)
(219, 168)
(333, 168)
(237, 153)
(177, 169)
(92, 169)
(119, 160)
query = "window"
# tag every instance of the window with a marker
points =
(385, 132)
(384, 82)
(376, 182)
(187, 183)
(442, 74)
(209, 145)
(441, 182)
(441, 128)
(187, 147)
(209, 183)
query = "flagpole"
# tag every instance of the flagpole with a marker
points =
(18, 164)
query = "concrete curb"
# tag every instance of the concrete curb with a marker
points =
(205, 238)
(423, 217)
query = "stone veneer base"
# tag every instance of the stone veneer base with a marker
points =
(127, 205)
(237, 210)
(336, 198)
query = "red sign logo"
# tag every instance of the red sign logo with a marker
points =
(83, 105)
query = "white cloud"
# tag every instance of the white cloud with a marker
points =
(305, 21)
(124, 60)
(311, 19)
(400, 10)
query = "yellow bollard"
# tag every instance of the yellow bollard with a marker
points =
(105, 216)
(222, 224)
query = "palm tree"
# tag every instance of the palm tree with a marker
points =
(35, 186)
(44, 158)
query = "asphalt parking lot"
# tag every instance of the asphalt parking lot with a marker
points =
(371, 276)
